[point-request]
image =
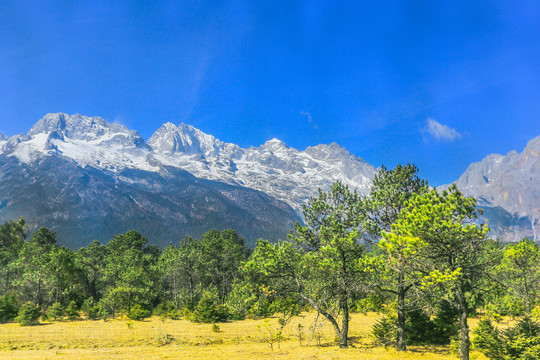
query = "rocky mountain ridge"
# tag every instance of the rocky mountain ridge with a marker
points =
(110, 180)
(274, 168)
(90, 179)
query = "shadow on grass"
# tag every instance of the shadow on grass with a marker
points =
(429, 349)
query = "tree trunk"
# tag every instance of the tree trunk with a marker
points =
(341, 334)
(344, 334)
(401, 346)
(464, 328)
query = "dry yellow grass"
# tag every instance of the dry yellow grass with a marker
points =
(156, 339)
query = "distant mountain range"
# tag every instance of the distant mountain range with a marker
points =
(89, 179)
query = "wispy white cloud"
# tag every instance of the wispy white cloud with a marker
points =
(440, 131)
(309, 118)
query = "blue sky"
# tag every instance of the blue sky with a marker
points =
(440, 84)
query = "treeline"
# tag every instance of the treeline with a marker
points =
(127, 276)
(418, 256)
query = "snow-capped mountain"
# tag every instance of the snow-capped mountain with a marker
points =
(86, 140)
(273, 168)
(508, 183)
(89, 179)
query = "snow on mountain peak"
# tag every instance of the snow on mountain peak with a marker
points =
(86, 140)
(274, 168)
(170, 139)
(274, 145)
(80, 127)
(186, 139)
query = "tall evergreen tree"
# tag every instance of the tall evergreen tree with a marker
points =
(389, 194)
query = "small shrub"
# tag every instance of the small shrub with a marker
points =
(522, 341)
(165, 339)
(384, 331)
(209, 310)
(486, 339)
(446, 324)
(72, 311)
(56, 311)
(419, 328)
(106, 309)
(29, 314)
(300, 335)
(521, 338)
(90, 309)
(9, 308)
(138, 313)
(215, 328)
(167, 311)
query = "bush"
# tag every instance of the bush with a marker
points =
(384, 331)
(522, 341)
(56, 311)
(138, 313)
(90, 309)
(522, 338)
(106, 308)
(209, 310)
(9, 308)
(487, 339)
(165, 339)
(72, 311)
(167, 311)
(29, 314)
(446, 324)
(420, 329)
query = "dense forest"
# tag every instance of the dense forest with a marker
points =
(420, 257)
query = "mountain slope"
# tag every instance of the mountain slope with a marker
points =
(510, 184)
(83, 204)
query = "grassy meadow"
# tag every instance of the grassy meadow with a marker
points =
(180, 339)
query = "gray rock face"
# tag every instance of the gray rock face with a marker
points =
(510, 182)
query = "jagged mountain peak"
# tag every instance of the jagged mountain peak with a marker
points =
(186, 139)
(81, 127)
(274, 145)
(326, 152)
(86, 140)
(275, 141)
(171, 139)
(3, 137)
(274, 168)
